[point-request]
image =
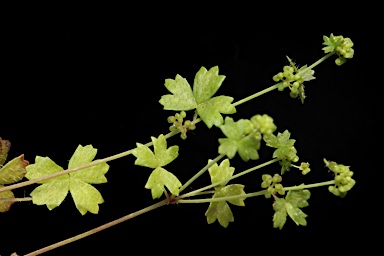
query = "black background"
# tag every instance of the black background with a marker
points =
(98, 79)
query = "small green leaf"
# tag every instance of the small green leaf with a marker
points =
(206, 83)
(210, 111)
(85, 196)
(291, 205)
(228, 147)
(307, 75)
(160, 178)
(144, 156)
(232, 190)
(222, 172)
(284, 146)
(182, 98)
(161, 157)
(13, 171)
(280, 216)
(246, 146)
(6, 205)
(232, 129)
(220, 210)
(298, 197)
(297, 215)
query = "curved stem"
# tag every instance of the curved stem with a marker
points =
(197, 175)
(193, 193)
(77, 168)
(95, 230)
(273, 87)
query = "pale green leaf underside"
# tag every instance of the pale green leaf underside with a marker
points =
(160, 178)
(206, 83)
(222, 172)
(182, 98)
(85, 196)
(43, 166)
(51, 193)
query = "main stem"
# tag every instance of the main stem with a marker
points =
(95, 230)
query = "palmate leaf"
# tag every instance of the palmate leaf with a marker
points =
(282, 143)
(53, 191)
(220, 210)
(206, 84)
(156, 160)
(291, 205)
(222, 172)
(246, 146)
(160, 178)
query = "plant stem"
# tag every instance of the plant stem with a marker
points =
(77, 168)
(193, 193)
(15, 199)
(317, 62)
(100, 228)
(197, 175)
(273, 87)
(259, 193)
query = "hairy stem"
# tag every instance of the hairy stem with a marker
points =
(95, 230)
(259, 193)
(193, 193)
